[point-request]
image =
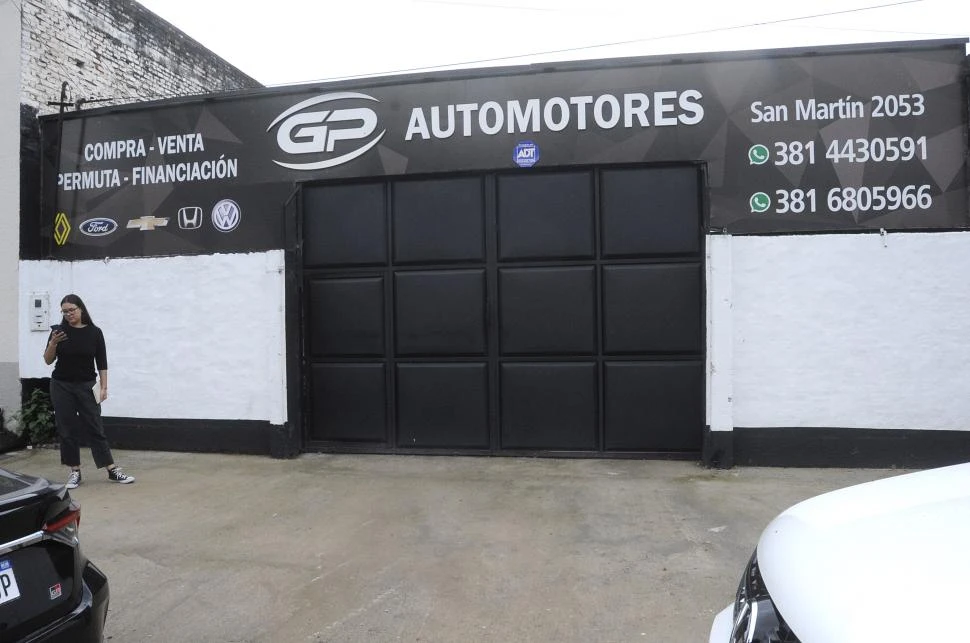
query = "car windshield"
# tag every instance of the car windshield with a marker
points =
(10, 483)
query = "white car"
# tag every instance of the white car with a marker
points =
(881, 562)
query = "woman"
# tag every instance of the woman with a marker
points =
(78, 345)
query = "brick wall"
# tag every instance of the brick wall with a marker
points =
(113, 49)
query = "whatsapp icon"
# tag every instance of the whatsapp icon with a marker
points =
(758, 155)
(759, 202)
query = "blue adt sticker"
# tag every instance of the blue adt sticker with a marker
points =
(526, 154)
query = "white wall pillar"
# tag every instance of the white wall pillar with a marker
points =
(720, 334)
(10, 29)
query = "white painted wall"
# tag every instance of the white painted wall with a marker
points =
(10, 201)
(197, 337)
(854, 330)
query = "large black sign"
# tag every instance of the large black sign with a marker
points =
(835, 139)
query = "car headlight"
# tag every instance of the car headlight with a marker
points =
(755, 618)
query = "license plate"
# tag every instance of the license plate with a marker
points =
(8, 583)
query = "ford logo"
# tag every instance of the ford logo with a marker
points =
(98, 227)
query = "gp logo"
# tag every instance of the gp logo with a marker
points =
(327, 137)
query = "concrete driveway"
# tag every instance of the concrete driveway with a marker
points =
(364, 548)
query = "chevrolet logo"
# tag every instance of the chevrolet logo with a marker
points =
(148, 222)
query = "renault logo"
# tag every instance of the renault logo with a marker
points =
(62, 228)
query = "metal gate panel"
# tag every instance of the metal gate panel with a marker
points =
(556, 311)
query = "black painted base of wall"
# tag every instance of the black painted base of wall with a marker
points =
(834, 447)
(718, 449)
(770, 447)
(204, 436)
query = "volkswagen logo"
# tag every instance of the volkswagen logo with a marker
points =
(226, 215)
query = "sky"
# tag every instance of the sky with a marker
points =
(286, 42)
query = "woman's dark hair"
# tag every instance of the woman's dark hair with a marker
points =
(74, 299)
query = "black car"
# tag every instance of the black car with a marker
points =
(48, 590)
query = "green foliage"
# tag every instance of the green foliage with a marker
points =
(36, 418)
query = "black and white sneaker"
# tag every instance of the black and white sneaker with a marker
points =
(117, 475)
(73, 480)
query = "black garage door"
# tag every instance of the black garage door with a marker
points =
(526, 311)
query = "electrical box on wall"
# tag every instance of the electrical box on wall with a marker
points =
(40, 312)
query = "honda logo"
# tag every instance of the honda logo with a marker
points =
(326, 132)
(190, 218)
